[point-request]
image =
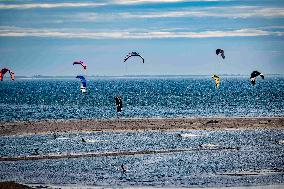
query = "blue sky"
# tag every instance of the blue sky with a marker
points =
(174, 36)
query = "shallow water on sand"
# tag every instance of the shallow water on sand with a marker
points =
(39, 99)
(257, 158)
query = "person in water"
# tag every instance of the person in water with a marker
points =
(36, 151)
(118, 103)
(123, 168)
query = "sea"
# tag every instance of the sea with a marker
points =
(143, 97)
(193, 159)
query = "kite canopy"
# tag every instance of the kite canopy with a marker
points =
(254, 75)
(118, 103)
(81, 63)
(220, 51)
(133, 54)
(84, 83)
(217, 80)
(4, 71)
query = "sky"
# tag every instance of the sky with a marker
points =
(176, 37)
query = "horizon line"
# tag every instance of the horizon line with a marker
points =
(133, 75)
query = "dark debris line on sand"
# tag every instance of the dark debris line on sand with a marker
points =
(121, 153)
(13, 185)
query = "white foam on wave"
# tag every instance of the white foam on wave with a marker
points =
(63, 138)
(190, 135)
(94, 140)
(210, 145)
(253, 172)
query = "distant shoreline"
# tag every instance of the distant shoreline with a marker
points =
(134, 76)
(136, 124)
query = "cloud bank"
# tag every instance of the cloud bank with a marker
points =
(132, 34)
(90, 4)
(48, 5)
(227, 12)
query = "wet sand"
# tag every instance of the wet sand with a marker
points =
(64, 126)
(107, 154)
(13, 185)
(236, 187)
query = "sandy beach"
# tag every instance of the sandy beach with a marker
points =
(61, 126)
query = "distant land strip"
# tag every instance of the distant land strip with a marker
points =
(139, 76)
(8, 128)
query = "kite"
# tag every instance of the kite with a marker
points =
(253, 76)
(81, 63)
(4, 71)
(220, 51)
(133, 54)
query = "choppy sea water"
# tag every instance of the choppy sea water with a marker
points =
(196, 96)
(258, 159)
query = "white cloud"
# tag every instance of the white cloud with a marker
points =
(90, 4)
(221, 12)
(224, 11)
(130, 34)
(271, 27)
(228, 12)
(48, 5)
(160, 1)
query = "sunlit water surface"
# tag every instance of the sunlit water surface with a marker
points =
(38, 99)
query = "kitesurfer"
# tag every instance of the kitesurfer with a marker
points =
(123, 168)
(36, 151)
(217, 80)
(118, 103)
(84, 83)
